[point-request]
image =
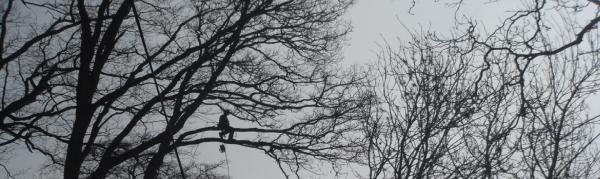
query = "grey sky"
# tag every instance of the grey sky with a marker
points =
(372, 20)
(374, 23)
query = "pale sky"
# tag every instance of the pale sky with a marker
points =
(374, 21)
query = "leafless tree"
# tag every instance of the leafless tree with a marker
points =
(559, 133)
(96, 85)
(427, 100)
(512, 102)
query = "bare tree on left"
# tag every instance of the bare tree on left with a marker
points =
(114, 88)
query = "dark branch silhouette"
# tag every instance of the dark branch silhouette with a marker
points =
(114, 88)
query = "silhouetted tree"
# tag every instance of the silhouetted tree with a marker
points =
(97, 85)
(512, 102)
(427, 100)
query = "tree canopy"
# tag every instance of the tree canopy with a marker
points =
(123, 88)
(109, 88)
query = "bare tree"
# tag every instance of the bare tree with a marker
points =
(427, 100)
(559, 138)
(113, 82)
(507, 103)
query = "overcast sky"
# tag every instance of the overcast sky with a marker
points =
(374, 23)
